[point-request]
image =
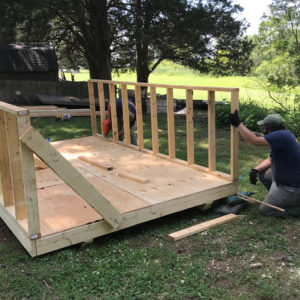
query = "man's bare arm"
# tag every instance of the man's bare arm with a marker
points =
(251, 138)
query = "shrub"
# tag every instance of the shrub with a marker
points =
(249, 113)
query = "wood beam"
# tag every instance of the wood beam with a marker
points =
(71, 176)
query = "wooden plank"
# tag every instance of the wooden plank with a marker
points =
(16, 166)
(6, 177)
(77, 235)
(71, 176)
(211, 131)
(92, 107)
(178, 235)
(101, 165)
(172, 86)
(178, 161)
(84, 112)
(154, 127)
(190, 127)
(135, 178)
(253, 200)
(126, 125)
(171, 128)
(101, 103)
(139, 116)
(29, 181)
(40, 107)
(19, 232)
(12, 109)
(114, 121)
(234, 140)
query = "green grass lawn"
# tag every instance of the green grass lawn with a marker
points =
(141, 263)
(170, 73)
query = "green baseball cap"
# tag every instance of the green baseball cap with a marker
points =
(273, 121)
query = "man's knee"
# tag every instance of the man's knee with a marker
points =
(269, 211)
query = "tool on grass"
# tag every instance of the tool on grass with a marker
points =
(253, 200)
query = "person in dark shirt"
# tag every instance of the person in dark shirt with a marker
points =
(280, 172)
(132, 119)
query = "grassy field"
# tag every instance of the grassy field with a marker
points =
(169, 73)
(141, 263)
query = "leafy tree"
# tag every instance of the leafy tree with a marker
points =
(278, 46)
(136, 34)
(233, 59)
(184, 32)
(77, 28)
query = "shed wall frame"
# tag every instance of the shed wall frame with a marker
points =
(22, 206)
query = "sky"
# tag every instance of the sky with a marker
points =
(253, 11)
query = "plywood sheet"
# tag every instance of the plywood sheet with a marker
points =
(61, 208)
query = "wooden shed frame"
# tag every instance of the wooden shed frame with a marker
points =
(19, 203)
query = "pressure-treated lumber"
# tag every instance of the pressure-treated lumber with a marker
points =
(178, 235)
(71, 176)
(134, 177)
(101, 165)
(29, 180)
(14, 110)
(16, 166)
(5, 170)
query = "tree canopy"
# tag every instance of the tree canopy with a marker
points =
(278, 45)
(136, 34)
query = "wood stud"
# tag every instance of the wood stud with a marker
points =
(154, 126)
(101, 103)
(126, 124)
(139, 116)
(92, 107)
(211, 131)
(189, 127)
(171, 129)
(112, 101)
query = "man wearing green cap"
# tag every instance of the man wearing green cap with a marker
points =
(280, 172)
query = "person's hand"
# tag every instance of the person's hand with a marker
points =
(234, 119)
(253, 176)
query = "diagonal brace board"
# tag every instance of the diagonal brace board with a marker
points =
(71, 176)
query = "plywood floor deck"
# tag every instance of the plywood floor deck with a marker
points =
(60, 208)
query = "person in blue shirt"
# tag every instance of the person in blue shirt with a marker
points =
(132, 119)
(280, 172)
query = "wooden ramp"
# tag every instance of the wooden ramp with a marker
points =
(59, 194)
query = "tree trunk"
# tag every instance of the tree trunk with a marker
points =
(142, 68)
(98, 46)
